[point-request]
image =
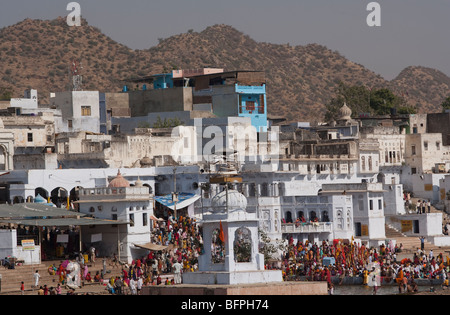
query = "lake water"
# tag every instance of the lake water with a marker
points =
(365, 290)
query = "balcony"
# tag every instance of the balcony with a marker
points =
(316, 227)
(250, 89)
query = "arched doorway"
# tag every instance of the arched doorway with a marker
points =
(242, 245)
(59, 196)
(74, 195)
(18, 199)
(3, 158)
(288, 217)
(217, 248)
(380, 178)
(41, 191)
(150, 190)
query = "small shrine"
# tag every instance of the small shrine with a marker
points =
(231, 242)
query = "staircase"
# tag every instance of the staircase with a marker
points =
(12, 278)
(412, 243)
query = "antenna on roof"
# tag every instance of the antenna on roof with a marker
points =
(77, 78)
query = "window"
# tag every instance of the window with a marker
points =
(380, 205)
(371, 204)
(261, 108)
(363, 163)
(425, 145)
(438, 145)
(413, 150)
(114, 216)
(30, 137)
(131, 219)
(69, 123)
(339, 220)
(91, 209)
(85, 110)
(250, 105)
(360, 203)
(144, 219)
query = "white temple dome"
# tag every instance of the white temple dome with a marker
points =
(236, 201)
(119, 181)
(345, 112)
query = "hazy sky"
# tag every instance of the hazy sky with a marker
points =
(412, 32)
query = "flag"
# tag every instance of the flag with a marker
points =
(221, 235)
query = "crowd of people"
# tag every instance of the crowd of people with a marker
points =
(183, 244)
(183, 238)
(350, 259)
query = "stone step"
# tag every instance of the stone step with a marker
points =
(12, 278)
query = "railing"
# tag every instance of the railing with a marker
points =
(113, 191)
(250, 89)
(314, 227)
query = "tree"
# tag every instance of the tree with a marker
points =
(167, 123)
(446, 103)
(5, 94)
(361, 99)
(382, 100)
(356, 97)
(269, 248)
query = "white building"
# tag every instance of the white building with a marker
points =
(29, 101)
(368, 209)
(80, 110)
(118, 202)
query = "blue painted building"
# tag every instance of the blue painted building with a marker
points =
(162, 81)
(252, 103)
(234, 93)
(239, 93)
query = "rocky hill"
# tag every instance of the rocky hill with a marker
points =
(300, 79)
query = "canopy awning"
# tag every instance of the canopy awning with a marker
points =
(155, 247)
(83, 221)
(184, 200)
(35, 210)
(155, 218)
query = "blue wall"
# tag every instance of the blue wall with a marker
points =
(257, 95)
(163, 81)
(103, 113)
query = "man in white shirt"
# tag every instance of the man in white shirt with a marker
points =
(133, 286)
(36, 277)
(176, 267)
(139, 284)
